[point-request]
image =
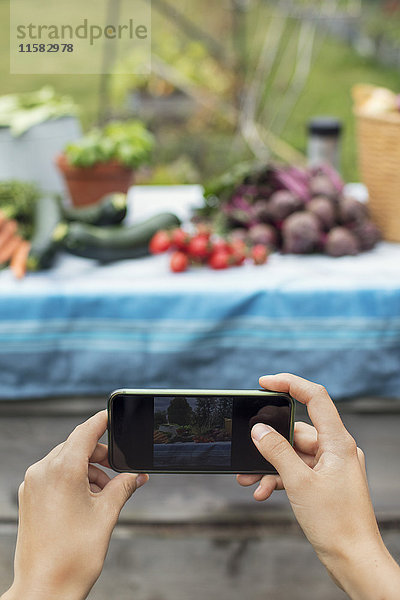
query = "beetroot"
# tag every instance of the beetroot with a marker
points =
(291, 209)
(329, 171)
(239, 233)
(321, 185)
(261, 211)
(351, 211)
(238, 212)
(295, 181)
(324, 210)
(341, 242)
(301, 233)
(282, 204)
(264, 234)
(368, 235)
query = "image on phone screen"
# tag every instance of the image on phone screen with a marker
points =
(192, 432)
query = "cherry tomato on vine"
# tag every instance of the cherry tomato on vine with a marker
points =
(259, 254)
(179, 239)
(160, 242)
(199, 247)
(179, 262)
(219, 260)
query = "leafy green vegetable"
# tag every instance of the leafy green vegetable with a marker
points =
(22, 111)
(128, 142)
(220, 190)
(226, 183)
(17, 201)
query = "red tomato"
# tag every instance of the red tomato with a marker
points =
(259, 254)
(219, 260)
(204, 229)
(238, 245)
(221, 246)
(239, 252)
(179, 262)
(239, 258)
(160, 242)
(199, 247)
(179, 239)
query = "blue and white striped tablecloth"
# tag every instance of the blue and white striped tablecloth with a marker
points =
(87, 329)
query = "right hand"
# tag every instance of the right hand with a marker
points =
(325, 480)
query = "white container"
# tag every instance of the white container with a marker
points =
(30, 156)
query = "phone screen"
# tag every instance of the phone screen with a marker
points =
(187, 432)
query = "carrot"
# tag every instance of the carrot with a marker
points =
(8, 249)
(3, 219)
(8, 231)
(19, 259)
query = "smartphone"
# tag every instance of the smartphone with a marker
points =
(193, 431)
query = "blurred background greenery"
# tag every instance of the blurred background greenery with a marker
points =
(238, 77)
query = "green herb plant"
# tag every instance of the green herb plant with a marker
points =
(128, 142)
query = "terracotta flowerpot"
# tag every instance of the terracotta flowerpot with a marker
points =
(87, 185)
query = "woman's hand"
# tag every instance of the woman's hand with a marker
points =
(325, 480)
(68, 508)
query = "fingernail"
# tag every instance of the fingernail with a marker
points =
(260, 430)
(266, 376)
(141, 480)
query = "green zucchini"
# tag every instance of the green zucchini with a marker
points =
(110, 210)
(43, 245)
(108, 244)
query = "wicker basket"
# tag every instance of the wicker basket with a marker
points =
(379, 160)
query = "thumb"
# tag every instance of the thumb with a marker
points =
(278, 451)
(121, 488)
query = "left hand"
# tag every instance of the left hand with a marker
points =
(67, 511)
